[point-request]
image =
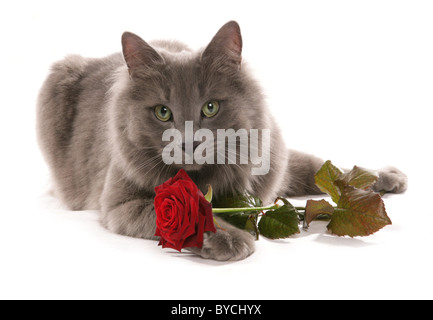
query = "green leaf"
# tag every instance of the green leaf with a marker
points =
(359, 178)
(315, 208)
(243, 220)
(279, 223)
(359, 213)
(325, 179)
(243, 200)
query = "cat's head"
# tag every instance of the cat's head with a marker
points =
(171, 95)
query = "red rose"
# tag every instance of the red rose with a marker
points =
(182, 213)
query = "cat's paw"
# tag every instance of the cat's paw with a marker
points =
(228, 243)
(391, 180)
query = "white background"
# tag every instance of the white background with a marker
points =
(349, 81)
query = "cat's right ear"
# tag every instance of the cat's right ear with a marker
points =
(138, 54)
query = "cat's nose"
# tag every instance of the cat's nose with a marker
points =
(194, 145)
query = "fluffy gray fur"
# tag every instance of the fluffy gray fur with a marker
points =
(99, 134)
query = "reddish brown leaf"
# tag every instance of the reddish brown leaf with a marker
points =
(359, 213)
(359, 178)
(315, 208)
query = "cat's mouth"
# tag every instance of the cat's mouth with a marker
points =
(191, 167)
(242, 148)
(183, 157)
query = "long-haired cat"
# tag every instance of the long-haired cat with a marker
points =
(101, 121)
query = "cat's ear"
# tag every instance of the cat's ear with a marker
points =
(138, 54)
(226, 46)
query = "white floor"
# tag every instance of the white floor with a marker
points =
(350, 83)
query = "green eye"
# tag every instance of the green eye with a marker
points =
(163, 113)
(210, 108)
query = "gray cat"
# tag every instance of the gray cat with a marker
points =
(100, 123)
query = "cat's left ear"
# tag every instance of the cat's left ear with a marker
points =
(226, 46)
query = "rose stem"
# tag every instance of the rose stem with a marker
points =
(224, 210)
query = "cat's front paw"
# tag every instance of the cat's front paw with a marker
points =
(391, 180)
(228, 243)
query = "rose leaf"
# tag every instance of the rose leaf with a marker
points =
(242, 220)
(315, 209)
(359, 178)
(325, 179)
(279, 223)
(242, 200)
(359, 213)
